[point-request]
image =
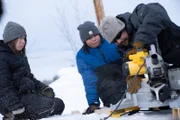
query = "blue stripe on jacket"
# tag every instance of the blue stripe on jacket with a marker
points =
(88, 62)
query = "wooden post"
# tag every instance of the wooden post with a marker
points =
(99, 9)
(176, 113)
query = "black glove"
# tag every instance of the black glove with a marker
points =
(11, 115)
(48, 92)
(8, 116)
(91, 108)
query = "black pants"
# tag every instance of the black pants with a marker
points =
(111, 83)
(37, 107)
(111, 91)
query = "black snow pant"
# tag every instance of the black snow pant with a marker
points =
(111, 83)
(38, 106)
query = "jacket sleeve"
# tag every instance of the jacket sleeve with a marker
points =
(149, 20)
(89, 80)
(39, 86)
(8, 94)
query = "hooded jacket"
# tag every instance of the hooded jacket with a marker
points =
(16, 79)
(88, 62)
(150, 23)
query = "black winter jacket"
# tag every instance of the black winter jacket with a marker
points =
(149, 23)
(15, 78)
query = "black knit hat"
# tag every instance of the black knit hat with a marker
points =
(86, 30)
(12, 31)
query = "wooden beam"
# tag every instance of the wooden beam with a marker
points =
(176, 113)
(99, 9)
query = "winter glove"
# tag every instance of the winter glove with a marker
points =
(91, 108)
(134, 87)
(130, 52)
(11, 115)
(47, 91)
(138, 46)
(25, 85)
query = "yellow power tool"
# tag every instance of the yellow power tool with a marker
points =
(137, 60)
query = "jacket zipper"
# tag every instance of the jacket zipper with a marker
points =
(101, 53)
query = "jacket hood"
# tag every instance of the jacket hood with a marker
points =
(4, 47)
(125, 18)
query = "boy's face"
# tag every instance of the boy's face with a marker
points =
(94, 41)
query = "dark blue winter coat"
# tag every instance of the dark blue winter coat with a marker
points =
(88, 62)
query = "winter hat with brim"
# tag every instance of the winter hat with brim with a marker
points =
(110, 27)
(13, 31)
(87, 30)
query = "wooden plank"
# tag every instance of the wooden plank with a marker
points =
(176, 113)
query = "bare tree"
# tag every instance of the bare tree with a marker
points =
(63, 25)
(30, 49)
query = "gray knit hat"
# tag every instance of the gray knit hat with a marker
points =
(109, 27)
(86, 30)
(12, 31)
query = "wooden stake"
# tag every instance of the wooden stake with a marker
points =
(176, 113)
(99, 9)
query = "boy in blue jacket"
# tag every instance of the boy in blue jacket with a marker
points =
(99, 64)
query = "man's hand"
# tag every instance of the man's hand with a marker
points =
(137, 46)
(91, 108)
